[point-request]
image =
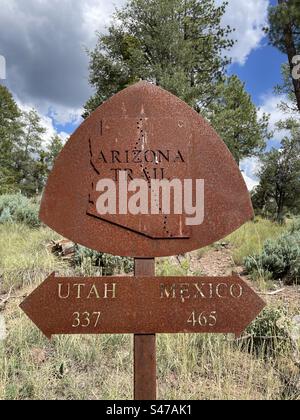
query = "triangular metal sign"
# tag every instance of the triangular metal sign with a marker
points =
(148, 134)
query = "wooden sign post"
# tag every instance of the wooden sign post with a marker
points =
(145, 176)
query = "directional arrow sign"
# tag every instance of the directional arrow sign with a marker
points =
(113, 305)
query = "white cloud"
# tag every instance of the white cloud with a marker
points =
(270, 105)
(46, 122)
(63, 115)
(44, 45)
(251, 183)
(248, 17)
(249, 168)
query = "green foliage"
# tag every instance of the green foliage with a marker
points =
(24, 257)
(10, 131)
(284, 34)
(18, 208)
(286, 89)
(53, 150)
(279, 188)
(177, 44)
(30, 157)
(165, 267)
(235, 118)
(250, 238)
(270, 332)
(281, 16)
(108, 264)
(281, 258)
(25, 162)
(295, 226)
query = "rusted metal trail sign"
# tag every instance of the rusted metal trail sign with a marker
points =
(144, 176)
(114, 305)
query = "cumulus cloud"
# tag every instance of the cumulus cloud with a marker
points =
(44, 45)
(251, 183)
(270, 105)
(248, 17)
(250, 168)
(46, 122)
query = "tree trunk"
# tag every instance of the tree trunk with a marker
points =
(291, 53)
(280, 207)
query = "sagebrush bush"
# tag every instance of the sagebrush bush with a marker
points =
(295, 226)
(109, 264)
(279, 257)
(16, 208)
(270, 332)
(250, 238)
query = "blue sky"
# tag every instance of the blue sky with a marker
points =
(261, 72)
(44, 44)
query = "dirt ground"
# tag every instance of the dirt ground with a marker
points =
(219, 262)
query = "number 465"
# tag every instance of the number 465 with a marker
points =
(203, 319)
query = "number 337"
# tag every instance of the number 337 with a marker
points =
(86, 319)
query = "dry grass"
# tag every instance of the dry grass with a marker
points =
(100, 367)
(250, 238)
(24, 258)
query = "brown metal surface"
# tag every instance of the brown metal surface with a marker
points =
(145, 347)
(151, 134)
(142, 305)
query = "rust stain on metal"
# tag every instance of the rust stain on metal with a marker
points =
(145, 387)
(150, 134)
(142, 305)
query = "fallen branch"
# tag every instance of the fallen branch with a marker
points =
(6, 299)
(276, 292)
(260, 337)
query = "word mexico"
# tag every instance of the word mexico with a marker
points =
(166, 197)
(206, 290)
(142, 305)
(182, 291)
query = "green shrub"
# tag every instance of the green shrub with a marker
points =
(269, 334)
(281, 258)
(165, 267)
(109, 264)
(20, 209)
(250, 238)
(295, 226)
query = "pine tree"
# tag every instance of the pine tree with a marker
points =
(10, 132)
(30, 155)
(284, 34)
(279, 188)
(53, 150)
(177, 44)
(235, 118)
(286, 88)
